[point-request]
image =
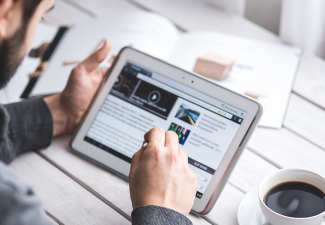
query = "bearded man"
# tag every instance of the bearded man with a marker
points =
(162, 186)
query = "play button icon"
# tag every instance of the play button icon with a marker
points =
(154, 96)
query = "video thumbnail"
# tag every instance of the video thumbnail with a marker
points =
(181, 132)
(126, 82)
(187, 115)
(141, 93)
(154, 99)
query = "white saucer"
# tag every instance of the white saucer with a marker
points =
(249, 212)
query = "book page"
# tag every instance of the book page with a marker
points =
(147, 32)
(261, 67)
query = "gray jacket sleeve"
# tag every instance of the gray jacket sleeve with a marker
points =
(18, 203)
(24, 126)
(155, 215)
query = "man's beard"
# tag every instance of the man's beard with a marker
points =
(10, 56)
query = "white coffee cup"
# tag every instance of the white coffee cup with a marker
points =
(290, 175)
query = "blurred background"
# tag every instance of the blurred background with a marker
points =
(297, 22)
(279, 24)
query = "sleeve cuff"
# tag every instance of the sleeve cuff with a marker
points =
(157, 215)
(30, 126)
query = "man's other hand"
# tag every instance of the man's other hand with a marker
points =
(69, 106)
(160, 174)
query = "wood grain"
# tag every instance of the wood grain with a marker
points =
(287, 149)
(113, 188)
(310, 82)
(225, 210)
(250, 171)
(55, 220)
(62, 197)
(306, 120)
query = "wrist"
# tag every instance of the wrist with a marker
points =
(59, 114)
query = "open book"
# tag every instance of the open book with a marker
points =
(261, 67)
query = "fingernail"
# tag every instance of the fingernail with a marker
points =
(100, 45)
(104, 43)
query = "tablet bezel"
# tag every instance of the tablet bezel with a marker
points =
(121, 167)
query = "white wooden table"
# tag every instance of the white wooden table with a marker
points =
(75, 191)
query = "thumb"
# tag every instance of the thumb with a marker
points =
(101, 72)
(92, 62)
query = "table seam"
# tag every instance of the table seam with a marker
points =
(53, 218)
(85, 186)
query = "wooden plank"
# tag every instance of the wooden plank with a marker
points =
(55, 220)
(105, 183)
(199, 15)
(62, 197)
(225, 210)
(197, 219)
(310, 82)
(250, 171)
(306, 120)
(286, 149)
(113, 188)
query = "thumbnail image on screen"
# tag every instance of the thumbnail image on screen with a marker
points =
(187, 115)
(181, 132)
(126, 82)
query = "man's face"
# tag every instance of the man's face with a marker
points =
(14, 47)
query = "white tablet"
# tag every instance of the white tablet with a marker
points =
(141, 92)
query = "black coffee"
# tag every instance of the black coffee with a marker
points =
(296, 199)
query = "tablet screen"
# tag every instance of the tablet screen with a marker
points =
(142, 99)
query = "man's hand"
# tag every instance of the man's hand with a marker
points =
(160, 174)
(68, 107)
